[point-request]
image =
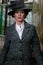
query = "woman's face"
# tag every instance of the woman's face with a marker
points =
(19, 15)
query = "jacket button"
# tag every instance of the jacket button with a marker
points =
(20, 58)
(20, 50)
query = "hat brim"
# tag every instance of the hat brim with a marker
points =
(11, 13)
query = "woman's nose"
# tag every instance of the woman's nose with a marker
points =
(19, 13)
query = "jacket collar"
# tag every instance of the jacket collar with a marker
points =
(15, 34)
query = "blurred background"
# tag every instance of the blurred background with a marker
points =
(34, 17)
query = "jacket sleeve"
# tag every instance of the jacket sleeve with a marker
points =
(36, 48)
(5, 48)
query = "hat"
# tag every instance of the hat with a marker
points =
(18, 4)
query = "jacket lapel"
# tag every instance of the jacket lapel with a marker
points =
(25, 30)
(15, 34)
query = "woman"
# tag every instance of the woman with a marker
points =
(20, 39)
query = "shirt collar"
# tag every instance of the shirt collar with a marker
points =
(20, 26)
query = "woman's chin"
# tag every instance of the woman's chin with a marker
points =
(20, 20)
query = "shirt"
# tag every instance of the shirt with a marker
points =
(19, 29)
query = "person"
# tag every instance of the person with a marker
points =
(20, 39)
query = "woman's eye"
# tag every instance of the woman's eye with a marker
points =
(16, 11)
(22, 12)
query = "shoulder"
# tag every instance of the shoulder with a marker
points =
(9, 29)
(31, 28)
(30, 25)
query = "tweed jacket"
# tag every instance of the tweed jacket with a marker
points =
(18, 51)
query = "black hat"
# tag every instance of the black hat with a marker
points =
(18, 4)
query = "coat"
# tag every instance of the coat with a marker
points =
(18, 51)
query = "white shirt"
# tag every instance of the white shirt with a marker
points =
(19, 29)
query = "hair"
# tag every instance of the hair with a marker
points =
(23, 10)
